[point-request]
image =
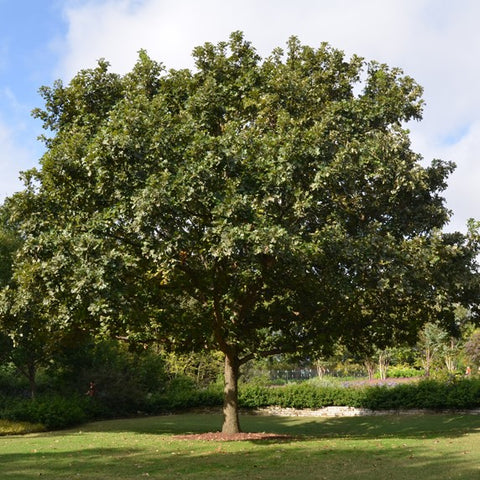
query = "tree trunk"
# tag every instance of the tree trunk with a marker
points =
(450, 357)
(370, 365)
(321, 369)
(383, 361)
(427, 361)
(32, 371)
(231, 423)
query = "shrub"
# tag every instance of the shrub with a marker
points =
(427, 394)
(463, 394)
(123, 377)
(256, 396)
(8, 427)
(181, 393)
(52, 412)
(11, 383)
(304, 395)
(55, 412)
(472, 348)
(403, 371)
(301, 396)
(211, 396)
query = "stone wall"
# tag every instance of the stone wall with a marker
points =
(346, 412)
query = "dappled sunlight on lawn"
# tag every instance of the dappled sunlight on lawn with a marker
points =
(398, 447)
(403, 426)
(163, 458)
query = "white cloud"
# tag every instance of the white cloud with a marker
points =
(463, 193)
(117, 29)
(13, 158)
(19, 149)
(432, 41)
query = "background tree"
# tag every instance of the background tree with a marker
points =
(25, 340)
(251, 206)
(433, 341)
(472, 348)
(450, 352)
(383, 362)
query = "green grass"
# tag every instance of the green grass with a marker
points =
(436, 447)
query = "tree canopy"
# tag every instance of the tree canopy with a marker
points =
(253, 206)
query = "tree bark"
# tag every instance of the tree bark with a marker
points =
(231, 423)
(32, 371)
(383, 361)
(321, 369)
(428, 361)
(370, 365)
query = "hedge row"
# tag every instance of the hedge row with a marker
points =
(52, 412)
(56, 412)
(426, 394)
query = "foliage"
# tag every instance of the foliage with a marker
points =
(403, 371)
(426, 394)
(26, 340)
(12, 384)
(59, 412)
(182, 393)
(431, 340)
(9, 244)
(51, 412)
(122, 377)
(440, 349)
(472, 348)
(304, 395)
(203, 367)
(251, 206)
(8, 427)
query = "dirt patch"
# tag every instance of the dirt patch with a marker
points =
(233, 437)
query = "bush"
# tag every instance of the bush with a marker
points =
(52, 412)
(11, 383)
(123, 377)
(402, 371)
(304, 395)
(256, 396)
(211, 396)
(472, 348)
(181, 393)
(463, 394)
(427, 394)
(8, 427)
(55, 412)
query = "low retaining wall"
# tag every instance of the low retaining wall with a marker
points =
(348, 412)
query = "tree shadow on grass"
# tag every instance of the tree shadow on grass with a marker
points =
(361, 460)
(425, 426)
(397, 447)
(400, 426)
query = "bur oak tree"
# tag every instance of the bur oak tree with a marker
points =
(251, 206)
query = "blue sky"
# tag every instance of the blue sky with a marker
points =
(28, 59)
(435, 41)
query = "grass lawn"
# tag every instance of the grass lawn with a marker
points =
(422, 447)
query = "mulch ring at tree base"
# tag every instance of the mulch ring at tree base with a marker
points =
(233, 437)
